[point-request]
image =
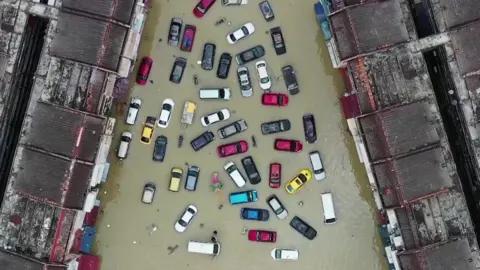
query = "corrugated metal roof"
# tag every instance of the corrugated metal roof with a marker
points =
(119, 10)
(13, 261)
(465, 42)
(458, 12)
(48, 178)
(86, 40)
(369, 27)
(63, 131)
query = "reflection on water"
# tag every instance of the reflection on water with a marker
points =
(126, 235)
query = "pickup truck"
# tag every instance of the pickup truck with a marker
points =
(275, 126)
(290, 80)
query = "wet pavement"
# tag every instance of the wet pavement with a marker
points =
(132, 235)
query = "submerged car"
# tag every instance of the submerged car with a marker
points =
(246, 30)
(309, 128)
(208, 57)
(174, 32)
(234, 2)
(241, 197)
(133, 110)
(176, 176)
(148, 129)
(224, 65)
(148, 193)
(263, 77)
(303, 228)
(299, 181)
(191, 181)
(188, 38)
(262, 236)
(166, 113)
(144, 70)
(232, 129)
(288, 145)
(245, 82)
(251, 170)
(275, 126)
(202, 140)
(186, 218)
(275, 175)
(278, 41)
(202, 7)
(178, 69)
(274, 99)
(160, 148)
(210, 119)
(266, 10)
(231, 149)
(250, 55)
(290, 79)
(256, 214)
(277, 207)
(284, 254)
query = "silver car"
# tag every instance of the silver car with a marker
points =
(232, 129)
(245, 82)
(175, 31)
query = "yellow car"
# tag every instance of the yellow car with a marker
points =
(299, 181)
(175, 179)
(148, 129)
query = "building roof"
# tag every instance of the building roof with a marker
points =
(451, 255)
(465, 42)
(453, 13)
(13, 261)
(118, 10)
(76, 134)
(398, 130)
(50, 178)
(369, 27)
(87, 40)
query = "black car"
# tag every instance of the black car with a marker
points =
(224, 65)
(203, 140)
(275, 126)
(160, 148)
(309, 128)
(278, 41)
(191, 181)
(174, 31)
(266, 10)
(290, 80)
(250, 55)
(177, 70)
(251, 170)
(257, 214)
(302, 227)
(208, 57)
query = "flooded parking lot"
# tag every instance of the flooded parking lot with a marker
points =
(125, 237)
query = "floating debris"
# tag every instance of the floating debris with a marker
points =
(220, 207)
(300, 203)
(108, 225)
(245, 230)
(202, 225)
(134, 242)
(172, 249)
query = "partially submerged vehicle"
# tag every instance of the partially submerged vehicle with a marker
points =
(284, 254)
(234, 2)
(188, 113)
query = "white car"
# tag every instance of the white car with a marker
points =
(234, 2)
(186, 218)
(246, 30)
(166, 113)
(263, 78)
(284, 254)
(215, 117)
(133, 110)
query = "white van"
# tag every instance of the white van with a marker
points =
(208, 248)
(328, 209)
(317, 165)
(235, 174)
(215, 93)
(133, 110)
(125, 140)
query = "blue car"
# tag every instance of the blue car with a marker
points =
(243, 197)
(254, 214)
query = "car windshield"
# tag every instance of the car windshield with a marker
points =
(302, 178)
(145, 139)
(290, 188)
(232, 37)
(319, 171)
(244, 30)
(220, 115)
(182, 223)
(176, 175)
(265, 80)
(177, 72)
(221, 93)
(201, 8)
(207, 120)
(248, 55)
(280, 99)
(238, 147)
(191, 211)
(167, 107)
(162, 122)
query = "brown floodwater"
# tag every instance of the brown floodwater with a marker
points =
(125, 237)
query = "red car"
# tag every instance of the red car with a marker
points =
(262, 236)
(202, 7)
(275, 175)
(288, 145)
(274, 99)
(231, 149)
(188, 38)
(144, 70)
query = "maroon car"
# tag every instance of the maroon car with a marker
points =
(288, 145)
(274, 180)
(144, 70)
(262, 236)
(202, 7)
(231, 149)
(188, 38)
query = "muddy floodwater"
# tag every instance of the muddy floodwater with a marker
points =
(126, 240)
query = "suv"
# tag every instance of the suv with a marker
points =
(275, 126)
(208, 57)
(278, 41)
(177, 70)
(245, 82)
(232, 129)
(251, 170)
(251, 54)
(290, 80)
(203, 140)
(224, 65)
(160, 148)
(192, 178)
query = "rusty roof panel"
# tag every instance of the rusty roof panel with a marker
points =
(465, 44)
(458, 12)
(13, 261)
(119, 10)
